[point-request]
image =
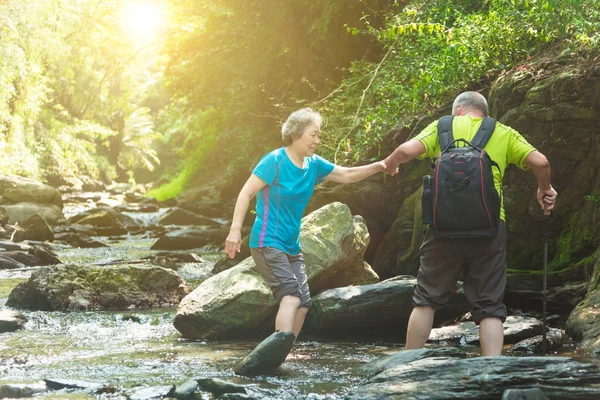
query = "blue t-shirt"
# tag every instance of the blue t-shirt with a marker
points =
(281, 204)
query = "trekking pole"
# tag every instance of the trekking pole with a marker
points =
(547, 220)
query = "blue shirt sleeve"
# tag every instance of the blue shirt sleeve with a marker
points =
(266, 169)
(324, 167)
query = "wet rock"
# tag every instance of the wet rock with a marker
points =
(481, 378)
(9, 245)
(408, 356)
(11, 321)
(105, 222)
(9, 263)
(238, 303)
(535, 344)
(36, 256)
(516, 328)
(74, 287)
(180, 216)
(219, 387)
(372, 309)
(20, 212)
(34, 228)
(235, 396)
(20, 390)
(524, 394)
(28, 190)
(58, 384)
(79, 240)
(104, 217)
(584, 322)
(191, 238)
(268, 355)
(153, 392)
(186, 389)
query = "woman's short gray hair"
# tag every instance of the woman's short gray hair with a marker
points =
(297, 123)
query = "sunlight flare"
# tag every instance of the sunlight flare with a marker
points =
(141, 19)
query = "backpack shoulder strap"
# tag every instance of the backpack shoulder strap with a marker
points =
(484, 132)
(445, 131)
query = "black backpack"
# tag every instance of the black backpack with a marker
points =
(464, 201)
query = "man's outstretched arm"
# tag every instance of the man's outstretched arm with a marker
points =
(403, 153)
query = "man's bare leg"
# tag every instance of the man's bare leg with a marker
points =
(299, 320)
(419, 327)
(491, 336)
(284, 322)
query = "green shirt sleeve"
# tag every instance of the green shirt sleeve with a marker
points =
(518, 149)
(429, 138)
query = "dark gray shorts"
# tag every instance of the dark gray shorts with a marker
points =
(483, 263)
(284, 273)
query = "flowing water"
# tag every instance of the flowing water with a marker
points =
(136, 349)
(131, 350)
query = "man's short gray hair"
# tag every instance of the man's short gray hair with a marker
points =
(471, 101)
(297, 123)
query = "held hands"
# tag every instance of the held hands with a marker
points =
(547, 199)
(233, 243)
(390, 168)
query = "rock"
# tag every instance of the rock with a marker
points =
(535, 344)
(21, 212)
(407, 356)
(58, 384)
(524, 394)
(333, 243)
(36, 256)
(584, 322)
(74, 287)
(34, 228)
(9, 263)
(186, 389)
(23, 190)
(371, 309)
(515, 329)
(9, 245)
(268, 355)
(109, 224)
(448, 377)
(153, 392)
(180, 216)
(11, 321)
(235, 396)
(19, 390)
(233, 303)
(191, 238)
(238, 303)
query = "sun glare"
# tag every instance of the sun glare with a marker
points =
(141, 19)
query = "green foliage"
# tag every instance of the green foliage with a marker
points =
(435, 50)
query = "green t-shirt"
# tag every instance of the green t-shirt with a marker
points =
(506, 146)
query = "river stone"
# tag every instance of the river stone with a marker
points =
(268, 355)
(481, 378)
(33, 192)
(19, 390)
(219, 386)
(34, 228)
(58, 384)
(191, 238)
(11, 321)
(524, 394)
(516, 328)
(237, 303)
(186, 389)
(103, 219)
(584, 322)
(75, 287)
(180, 216)
(153, 392)
(376, 309)
(21, 212)
(535, 344)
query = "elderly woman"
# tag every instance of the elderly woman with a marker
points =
(283, 182)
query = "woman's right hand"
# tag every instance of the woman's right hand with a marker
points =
(233, 243)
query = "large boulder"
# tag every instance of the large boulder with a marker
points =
(584, 322)
(444, 374)
(238, 303)
(382, 309)
(75, 287)
(21, 212)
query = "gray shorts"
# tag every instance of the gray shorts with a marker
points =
(284, 273)
(483, 263)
